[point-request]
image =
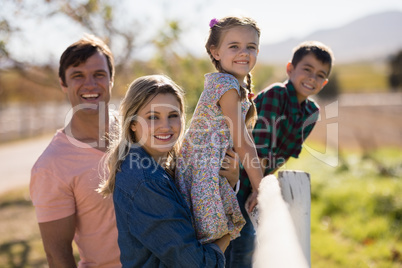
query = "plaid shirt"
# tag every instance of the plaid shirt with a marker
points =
(281, 128)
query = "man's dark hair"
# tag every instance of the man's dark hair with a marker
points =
(80, 51)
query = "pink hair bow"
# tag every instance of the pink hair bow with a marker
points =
(213, 22)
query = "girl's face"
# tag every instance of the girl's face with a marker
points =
(158, 125)
(238, 51)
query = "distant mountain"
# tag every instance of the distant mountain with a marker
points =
(374, 37)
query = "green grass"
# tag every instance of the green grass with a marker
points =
(356, 216)
(20, 242)
(362, 77)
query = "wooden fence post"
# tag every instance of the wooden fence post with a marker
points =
(277, 244)
(296, 191)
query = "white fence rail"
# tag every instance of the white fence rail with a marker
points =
(25, 120)
(283, 234)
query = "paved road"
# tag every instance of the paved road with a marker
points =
(17, 159)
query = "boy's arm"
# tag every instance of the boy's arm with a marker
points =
(264, 166)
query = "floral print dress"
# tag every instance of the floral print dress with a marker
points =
(213, 202)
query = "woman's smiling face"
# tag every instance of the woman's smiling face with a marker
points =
(158, 125)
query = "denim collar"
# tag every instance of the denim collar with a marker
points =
(147, 159)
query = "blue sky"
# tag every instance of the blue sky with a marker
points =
(278, 20)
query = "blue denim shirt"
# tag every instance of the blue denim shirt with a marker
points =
(153, 220)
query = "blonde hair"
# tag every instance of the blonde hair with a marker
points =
(217, 29)
(140, 92)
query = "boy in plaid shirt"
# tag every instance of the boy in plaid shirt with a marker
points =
(286, 116)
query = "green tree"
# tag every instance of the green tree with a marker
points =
(97, 17)
(331, 90)
(173, 60)
(93, 16)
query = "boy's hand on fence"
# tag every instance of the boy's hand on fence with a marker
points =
(251, 201)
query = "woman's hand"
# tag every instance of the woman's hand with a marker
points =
(230, 167)
(223, 242)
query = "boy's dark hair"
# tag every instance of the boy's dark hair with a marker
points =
(80, 51)
(322, 52)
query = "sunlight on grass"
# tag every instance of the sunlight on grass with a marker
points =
(356, 217)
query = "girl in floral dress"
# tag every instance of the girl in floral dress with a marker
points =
(220, 121)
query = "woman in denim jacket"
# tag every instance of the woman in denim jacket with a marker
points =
(154, 222)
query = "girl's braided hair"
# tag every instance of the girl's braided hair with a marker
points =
(217, 29)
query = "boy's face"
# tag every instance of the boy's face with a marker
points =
(308, 77)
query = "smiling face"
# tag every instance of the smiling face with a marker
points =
(158, 125)
(89, 83)
(308, 77)
(238, 50)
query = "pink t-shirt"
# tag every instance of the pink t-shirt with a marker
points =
(63, 182)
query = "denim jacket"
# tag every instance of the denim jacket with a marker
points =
(153, 221)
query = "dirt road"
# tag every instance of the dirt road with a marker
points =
(363, 122)
(17, 159)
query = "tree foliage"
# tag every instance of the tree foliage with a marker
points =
(331, 90)
(96, 17)
(93, 16)
(173, 60)
(122, 33)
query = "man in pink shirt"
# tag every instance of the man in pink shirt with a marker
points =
(66, 175)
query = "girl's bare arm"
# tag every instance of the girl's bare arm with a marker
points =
(243, 143)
